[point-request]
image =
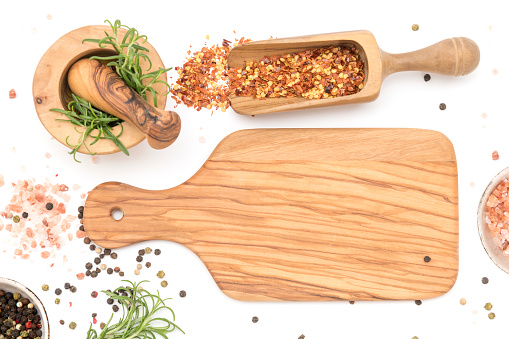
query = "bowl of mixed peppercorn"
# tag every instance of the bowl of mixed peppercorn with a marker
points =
(22, 314)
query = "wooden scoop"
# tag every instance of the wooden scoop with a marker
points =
(456, 56)
(305, 214)
(101, 86)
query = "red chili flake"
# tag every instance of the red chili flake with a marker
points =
(12, 94)
(70, 303)
(495, 155)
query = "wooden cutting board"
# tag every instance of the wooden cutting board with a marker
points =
(305, 214)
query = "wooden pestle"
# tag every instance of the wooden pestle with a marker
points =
(100, 85)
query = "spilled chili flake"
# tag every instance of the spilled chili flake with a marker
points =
(203, 80)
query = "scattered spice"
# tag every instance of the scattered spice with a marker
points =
(161, 274)
(139, 258)
(495, 155)
(164, 283)
(316, 74)
(110, 270)
(139, 266)
(352, 302)
(19, 318)
(57, 301)
(117, 269)
(488, 306)
(58, 291)
(94, 294)
(491, 315)
(141, 252)
(72, 325)
(427, 258)
(148, 250)
(418, 302)
(302, 336)
(427, 77)
(415, 27)
(113, 255)
(463, 301)
(137, 272)
(442, 106)
(148, 264)
(67, 286)
(157, 252)
(45, 287)
(102, 326)
(182, 294)
(73, 289)
(103, 266)
(12, 94)
(62, 322)
(255, 319)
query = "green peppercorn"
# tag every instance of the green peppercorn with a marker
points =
(161, 274)
(16, 218)
(491, 315)
(57, 301)
(45, 287)
(164, 283)
(488, 306)
(72, 325)
(102, 326)
(148, 250)
(16, 296)
(415, 27)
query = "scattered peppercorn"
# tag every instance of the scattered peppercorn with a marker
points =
(485, 280)
(161, 274)
(115, 308)
(72, 325)
(139, 258)
(67, 286)
(24, 215)
(62, 322)
(139, 266)
(82, 228)
(102, 326)
(49, 206)
(87, 240)
(73, 289)
(157, 252)
(110, 270)
(103, 266)
(148, 264)
(255, 320)
(491, 315)
(107, 251)
(488, 306)
(98, 250)
(137, 272)
(463, 301)
(352, 302)
(58, 291)
(109, 301)
(16, 219)
(141, 252)
(45, 287)
(182, 294)
(94, 294)
(88, 273)
(164, 283)
(88, 266)
(94, 315)
(442, 106)
(113, 255)
(415, 27)
(117, 269)
(97, 260)
(98, 270)
(302, 336)
(93, 274)
(81, 209)
(92, 247)
(418, 302)
(148, 250)
(121, 273)
(427, 259)
(57, 301)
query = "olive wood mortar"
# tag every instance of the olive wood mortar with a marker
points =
(100, 85)
(305, 214)
(456, 56)
(51, 89)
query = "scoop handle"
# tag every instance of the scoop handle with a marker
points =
(100, 85)
(455, 56)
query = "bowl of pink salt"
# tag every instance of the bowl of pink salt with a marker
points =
(493, 220)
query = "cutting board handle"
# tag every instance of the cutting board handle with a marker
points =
(455, 56)
(100, 85)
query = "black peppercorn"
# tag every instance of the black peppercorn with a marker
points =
(418, 302)
(255, 319)
(101, 256)
(427, 77)
(121, 273)
(81, 209)
(182, 294)
(49, 206)
(97, 260)
(25, 215)
(109, 301)
(107, 251)
(485, 280)
(80, 216)
(87, 240)
(115, 308)
(442, 106)
(427, 259)
(157, 252)
(88, 265)
(113, 255)
(73, 289)
(94, 315)
(109, 270)
(61, 322)
(92, 247)
(67, 286)
(58, 291)
(139, 258)
(88, 273)
(82, 228)
(98, 270)
(141, 252)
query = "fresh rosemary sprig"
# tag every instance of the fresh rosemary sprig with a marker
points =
(139, 318)
(82, 114)
(127, 61)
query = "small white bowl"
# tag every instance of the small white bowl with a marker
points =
(12, 286)
(489, 243)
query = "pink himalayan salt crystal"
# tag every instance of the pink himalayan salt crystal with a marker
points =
(80, 234)
(45, 254)
(2, 181)
(76, 187)
(17, 251)
(80, 276)
(497, 215)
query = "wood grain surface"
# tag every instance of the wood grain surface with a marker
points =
(101, 86)
(456, 56)
(305, 214)
(51, 90)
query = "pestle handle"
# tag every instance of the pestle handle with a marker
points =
(100, 85)
(455, 56)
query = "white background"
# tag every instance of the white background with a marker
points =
(405, 101)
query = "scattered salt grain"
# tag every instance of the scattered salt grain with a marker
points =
(2, 182)
(47, 155)
(201, 140)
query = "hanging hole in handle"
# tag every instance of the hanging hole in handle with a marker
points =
(117, 214)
